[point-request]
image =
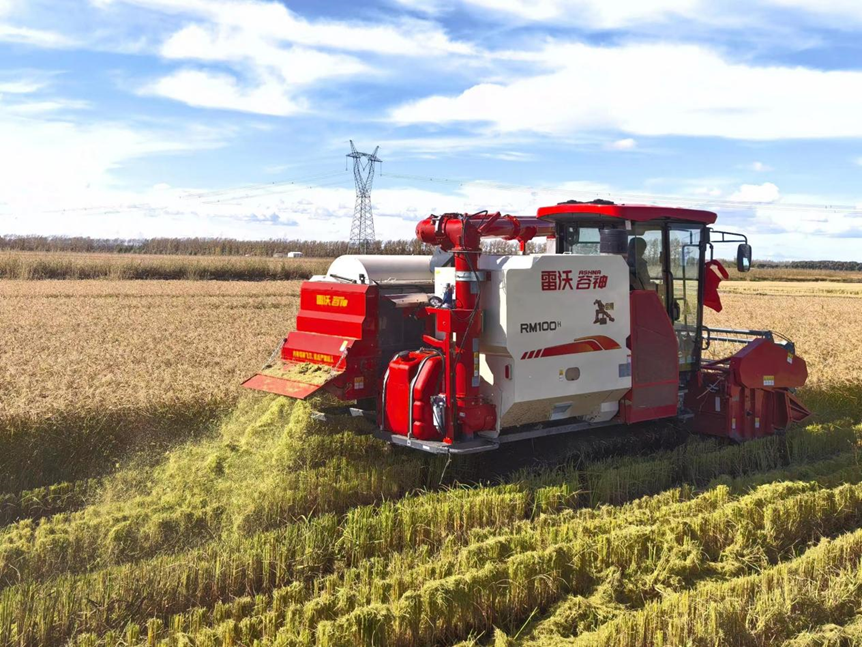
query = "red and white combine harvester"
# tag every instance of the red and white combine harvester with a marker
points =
(461, 351)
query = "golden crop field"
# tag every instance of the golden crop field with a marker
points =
(91, 368)
(70, 265)
(241, 520)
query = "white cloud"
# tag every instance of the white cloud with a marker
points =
(836, 10)
(859, 161)
(36, 37)
(596, 13)
(16, 94)
(214, 90)
(431, 7)
(626, 144)
(59, 162)
(766, 192)
(708, 191)
(631, 14)
(22, 85)
(268, 45)
(46, 106)
(510, 156)
(274, 21)
(295, 65)
(758, 167)
(680, 90)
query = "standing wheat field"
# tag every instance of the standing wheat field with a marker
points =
(31, 266)
(145, 501)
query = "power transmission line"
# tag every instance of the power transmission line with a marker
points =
(262, 187)
(365, 171)
(362, 228)
(342, 182)
(274, 190)
(691, 201)
(255, 190)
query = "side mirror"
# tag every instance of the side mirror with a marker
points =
(743, 258)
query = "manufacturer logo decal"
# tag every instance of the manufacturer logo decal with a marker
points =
(602, 314)
(591, 280)
(556, 280)
(331, 301)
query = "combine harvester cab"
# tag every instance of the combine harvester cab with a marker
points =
(463, 351)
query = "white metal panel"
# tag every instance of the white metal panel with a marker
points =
(543, 333)
(382, 268)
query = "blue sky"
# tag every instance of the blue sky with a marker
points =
(133, 118)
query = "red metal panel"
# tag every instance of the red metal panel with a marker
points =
(746, 396)
(636, 212)
(338, 309)
(764, 364)
(281, 386)
(655, 369)
(451, 232)
(336, 326)
(402, 394)
(317, 349)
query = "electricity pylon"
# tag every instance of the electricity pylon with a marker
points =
(362, 229)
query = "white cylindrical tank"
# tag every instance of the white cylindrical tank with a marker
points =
(382, 268)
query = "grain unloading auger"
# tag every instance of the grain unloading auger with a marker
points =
(462, 351)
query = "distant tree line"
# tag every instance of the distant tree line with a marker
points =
(228, 246)
(309, 248)
(838, 266)
(202, 246)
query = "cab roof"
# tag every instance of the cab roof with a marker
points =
(635, 212)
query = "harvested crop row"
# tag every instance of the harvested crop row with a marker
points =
(384, 580)
(379, 578)
(315, 468)
(498, 591)
(212, 489)
(46, 501)
(200, 577)
(506, 593)
(821, 586)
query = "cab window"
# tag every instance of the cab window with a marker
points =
(582, 238)
(684, 269)
(645, 259)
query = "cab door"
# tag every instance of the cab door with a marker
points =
(684, 253)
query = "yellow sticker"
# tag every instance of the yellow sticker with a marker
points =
(304, 355)
(336, 301)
